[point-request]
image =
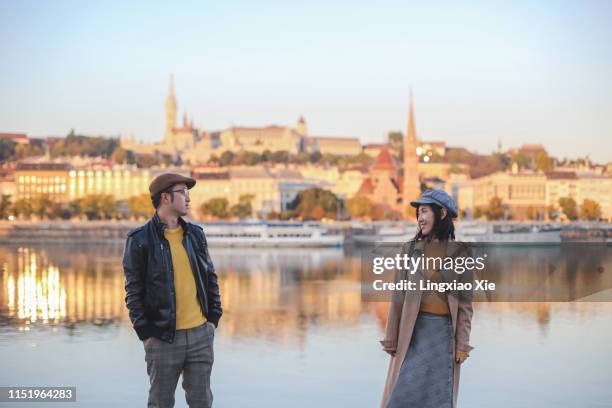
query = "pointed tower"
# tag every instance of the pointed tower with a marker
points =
(411, 187)
(301, 126)
(170, 111)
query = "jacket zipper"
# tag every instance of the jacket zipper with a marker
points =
(197, 276)
(170, 283)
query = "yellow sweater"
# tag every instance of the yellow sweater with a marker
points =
(188, 310)
(432, 301)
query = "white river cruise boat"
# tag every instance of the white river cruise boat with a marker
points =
(270, 234)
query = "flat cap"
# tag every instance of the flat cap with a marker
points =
(439, 197)
(165, 180)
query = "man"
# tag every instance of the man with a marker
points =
(172, 296)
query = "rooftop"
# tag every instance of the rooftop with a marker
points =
(43, 167)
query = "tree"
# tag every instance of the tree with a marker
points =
(59, 210)
(532, 213)
(98, 206)
(288, 215)
(41, 205)
(141, 206)
(5, 206)
(395, 140)
(495, 210)
(301, 158)
(383, 212)
(306, 201)
(479, 165)
(317, 213)
(359, 206)
(226, 158)
(22, 208)
(79, 145)
(7, 150)
(28, 150)
(76, 207)
(244, 158)
(107, 206)
(144, 161)
(122, 156)
(280, 156)
(315, 157)
(251, 158)
(568, 206)
(478, 212)
(243, 208)
(590, 210)
(543, 161)
(361, 158)
(215, 207)
(522, 160)
(272, 215)
(552, 212)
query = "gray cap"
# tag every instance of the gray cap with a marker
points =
(439, 197)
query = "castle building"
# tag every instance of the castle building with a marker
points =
(260, 139)
(196, 146)
(186, 140)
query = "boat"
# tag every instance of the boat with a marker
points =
(270, 234)
(387, 234)
(510, 233)
(467, 231)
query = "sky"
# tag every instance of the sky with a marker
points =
(481, 72)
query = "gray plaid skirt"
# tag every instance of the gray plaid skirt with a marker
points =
(426, 376)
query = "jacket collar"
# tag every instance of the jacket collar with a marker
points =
(160, 226)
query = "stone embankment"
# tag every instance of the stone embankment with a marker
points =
(65, 231)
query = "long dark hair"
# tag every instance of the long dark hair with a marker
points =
(443, 229)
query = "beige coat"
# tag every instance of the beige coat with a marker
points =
(403, 311)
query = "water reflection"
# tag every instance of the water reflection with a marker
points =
(279, 293)
(55, 284)
(295, 333)
(275, 293)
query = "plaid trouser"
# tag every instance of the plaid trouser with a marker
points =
(192, 355)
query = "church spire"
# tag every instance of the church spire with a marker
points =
(170, 111)
(411, 126)
(411, 186)
(171, 87)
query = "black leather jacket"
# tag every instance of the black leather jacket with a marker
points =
(149, 279)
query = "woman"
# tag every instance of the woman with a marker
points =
(427, 332)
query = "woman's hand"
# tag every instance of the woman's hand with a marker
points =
(461, 356)
(388, 347)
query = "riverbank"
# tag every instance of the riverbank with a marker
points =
(65, 231)
(111, 230)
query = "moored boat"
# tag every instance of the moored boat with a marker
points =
(270, 234)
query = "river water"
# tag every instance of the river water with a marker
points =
(295, 333)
